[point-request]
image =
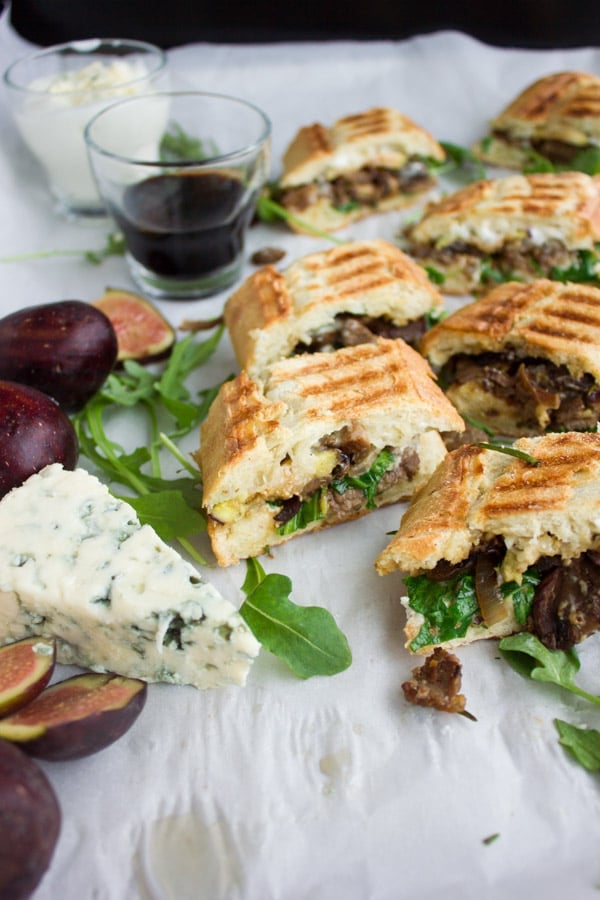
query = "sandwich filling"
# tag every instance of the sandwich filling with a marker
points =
(558, 152)
(366, 187)
(349, 330)
(557, 600)
(359, 478)
(538, 393)
(524, 258)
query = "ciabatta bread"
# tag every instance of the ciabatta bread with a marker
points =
(328, 299)
(523, 359)
(557, 117)
(521, 227)
(536, 516)
(282, 457)
(365, 163)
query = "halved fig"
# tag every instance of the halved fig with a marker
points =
(143, 333)
(76, 717)
(30, 821)
(25, 669)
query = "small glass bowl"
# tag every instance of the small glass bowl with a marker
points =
(53, 94)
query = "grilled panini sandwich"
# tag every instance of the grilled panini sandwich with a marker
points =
(496, 544)
(328, 300)
(325, 438)
(523, 359)
(557, 117)
(521, 227)
(366, 163)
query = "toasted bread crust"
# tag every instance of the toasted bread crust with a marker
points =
(476, 494)
(548, 319)
(491, 213)
(272, 312)
(563, 106)
(262, 443)
(380, 136)
(378, 139)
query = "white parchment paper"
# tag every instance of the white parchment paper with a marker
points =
(329, 788)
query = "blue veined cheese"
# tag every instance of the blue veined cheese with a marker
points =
(76, 564)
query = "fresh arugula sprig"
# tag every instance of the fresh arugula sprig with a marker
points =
(510, 451)
(460, 163)
(587, 161)
(269, 210)
(306, 638)
(586, 269)
(162, 399)
(114, 246)
(526, 654)
(369, 480)
(177, 145)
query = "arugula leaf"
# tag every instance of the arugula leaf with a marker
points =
(449, 607)
(434, 275)
(172, 507)
(368, 481)
(168, 513)
(490, 274)
(306, 638)
(176, 144)
(582, 743)
(268, 210)
(510, 451)
(536, 163)
(587, 268)
(522, 595)
(311, 510)
(433, 316)
(115, 246)
(461, 161)
(586, 160)
(526, 654)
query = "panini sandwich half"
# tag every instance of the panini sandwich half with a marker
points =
(496, 544)
(370, 162)
(557, 117)
(325, 438)
(520, 228)
(327, 300)
(523, 359)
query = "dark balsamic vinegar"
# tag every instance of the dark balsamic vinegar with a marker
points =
(185, 224)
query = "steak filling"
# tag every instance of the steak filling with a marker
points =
(365, 187)
(348, 331)
(539, 390)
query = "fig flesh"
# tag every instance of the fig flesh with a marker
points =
(65, 349)
(143, 333)
(34, 432)
(30, 822)
(76, 717)
(25, 669)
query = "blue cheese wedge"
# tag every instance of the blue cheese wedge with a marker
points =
(77, 565)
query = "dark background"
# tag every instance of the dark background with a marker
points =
(529, 23)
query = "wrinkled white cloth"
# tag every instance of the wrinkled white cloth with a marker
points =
(329, 788)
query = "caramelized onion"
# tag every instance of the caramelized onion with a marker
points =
(491, 602)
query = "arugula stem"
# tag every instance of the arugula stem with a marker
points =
(191, 550)
(276, 209)
(98, 434)
(172, 448)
